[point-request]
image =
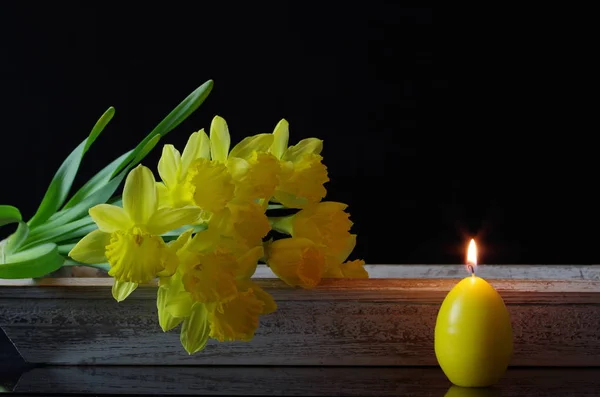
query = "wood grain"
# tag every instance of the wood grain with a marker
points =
(374, 290)
(295, 381)
(372, 322)
(352, 331)
(535, 272)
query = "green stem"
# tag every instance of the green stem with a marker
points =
(101, 266)
(2, 254)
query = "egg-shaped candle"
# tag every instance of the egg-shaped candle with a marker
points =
(473, 332)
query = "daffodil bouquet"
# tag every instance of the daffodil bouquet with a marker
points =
(201, 230)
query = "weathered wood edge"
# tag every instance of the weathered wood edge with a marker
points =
(400, 290)
(489, 272)
(321, 381)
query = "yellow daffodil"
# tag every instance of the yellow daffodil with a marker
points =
(211, 269)
(174, 303)
(297, 261)
(338, 267)
(236, 319)
(244, 222)
(209, 276)
(303, 173)
(254, 170)
(175, 189)
(129, 237)
(326, 223)
(229, 311)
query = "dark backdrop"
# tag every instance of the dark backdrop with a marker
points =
(439, 124)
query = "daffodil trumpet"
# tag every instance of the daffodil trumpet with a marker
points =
(198, 226)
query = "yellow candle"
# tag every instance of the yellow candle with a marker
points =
(473, 333)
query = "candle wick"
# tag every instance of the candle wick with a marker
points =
(471, 269)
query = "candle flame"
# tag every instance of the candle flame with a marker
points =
(472, 255)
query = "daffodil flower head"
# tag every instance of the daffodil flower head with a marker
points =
(237, 319)
(173, 302)
(325, 223)
(129, 237)
(175, 189)
(213, 186)
(303, 173)
(243, 221)
(209, 271)
(297, 261)
(254, 169)
(338, 267)
(256, 177)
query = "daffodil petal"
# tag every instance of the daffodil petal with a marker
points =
(236, 319)
(269, 303)
(296, 261)
(219, 139)
(210, 277)
(140, 199)
(333, 270)
(349, 247)
(110, 218)
(92, 248)
(181, 241)
(204, 240)
(281, 135)
(212, 184)
(122, 289)
(247, 263)
(139, 257)
(195, 330)
(167, 219)
(305, 146)
(165, 319)
(169, 164)
(355, 269)
(197, 147)
(238, 167)
(180, 305)
(174, 301)
(163, 195)
(251, 144)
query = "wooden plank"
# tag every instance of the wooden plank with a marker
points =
(301, 332)
(535, 272)
(296, 381)
(378, 321)
(375, 290)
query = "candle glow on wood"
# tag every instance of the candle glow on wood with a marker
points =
(473, 333)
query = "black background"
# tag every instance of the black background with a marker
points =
(439, 124)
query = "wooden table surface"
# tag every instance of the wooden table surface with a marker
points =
(352, 380)
(294, 381)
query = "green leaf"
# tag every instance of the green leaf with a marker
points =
(100, 196)
(63, 179)
(173, 119)
(64, 249)
(275, 206)
(68, 231)
(97, 181)
(9, 214)
(35, 262)
(16, 240)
